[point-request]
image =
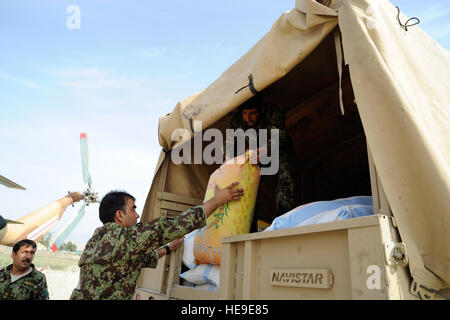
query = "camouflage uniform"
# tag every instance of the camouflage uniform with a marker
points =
(113, 258)
(271, 118)
(32, 286)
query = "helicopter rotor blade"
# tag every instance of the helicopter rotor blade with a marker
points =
(10, 184)
(64, 233)
(85, 159)
(13, 221)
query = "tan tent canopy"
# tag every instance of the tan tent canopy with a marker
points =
(401, 85)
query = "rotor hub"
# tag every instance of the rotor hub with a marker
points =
(90, 196)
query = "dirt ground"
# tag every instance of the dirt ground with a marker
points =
(61, 283)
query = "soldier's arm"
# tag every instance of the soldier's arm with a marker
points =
(153, 234)
(161, 251)
(276, 120)
(150, 260)
(209, 207)
(228, 146)
(279, 122)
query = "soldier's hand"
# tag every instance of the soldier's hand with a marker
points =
(228, 194)
(175, 244)
(76, 196)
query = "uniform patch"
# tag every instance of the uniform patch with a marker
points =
(29, 283)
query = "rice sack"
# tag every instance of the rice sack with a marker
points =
(232, 218)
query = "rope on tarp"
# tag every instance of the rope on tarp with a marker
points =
(406, 25)
(432, 291)
(250, 85)
(325, 3)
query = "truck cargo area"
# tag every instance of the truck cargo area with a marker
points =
(331, 161)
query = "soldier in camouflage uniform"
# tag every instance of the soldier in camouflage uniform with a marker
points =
(263, 115)
(113, 258)
(20, 280)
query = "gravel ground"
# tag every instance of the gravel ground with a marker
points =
(61, 283)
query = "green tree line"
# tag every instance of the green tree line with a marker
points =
(66, 246)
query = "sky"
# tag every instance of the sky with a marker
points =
(112, 76)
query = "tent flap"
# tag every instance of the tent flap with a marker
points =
(401, 84)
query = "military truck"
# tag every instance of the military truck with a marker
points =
(365, 96)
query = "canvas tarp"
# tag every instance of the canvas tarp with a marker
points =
(401, 84)
(401, 81)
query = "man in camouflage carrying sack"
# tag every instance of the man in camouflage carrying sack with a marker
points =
(256, 114)
(20, 280)
(113, 258)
